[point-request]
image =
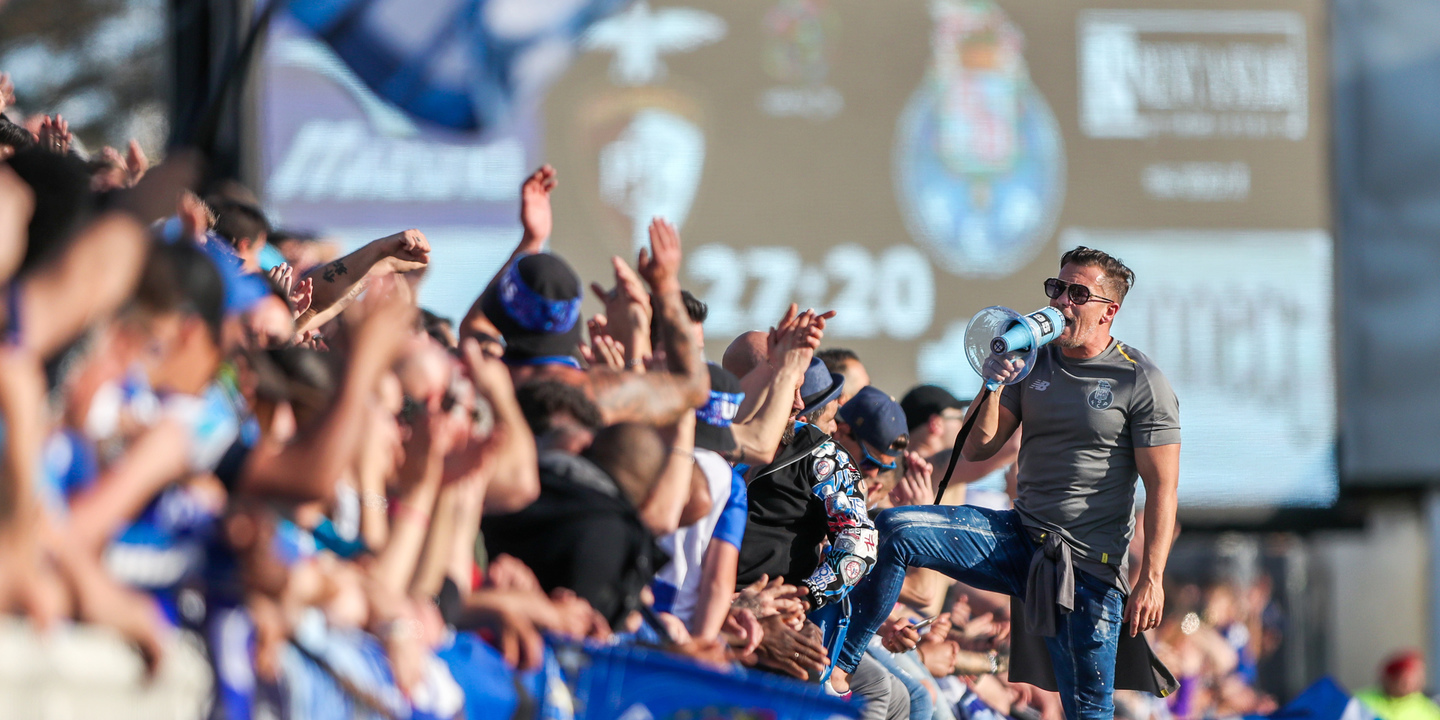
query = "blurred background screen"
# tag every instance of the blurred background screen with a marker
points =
(101, 64)
(904, 163)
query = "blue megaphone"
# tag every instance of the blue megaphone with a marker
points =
(1030, 331)
(1002, 331)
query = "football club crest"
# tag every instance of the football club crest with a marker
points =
(1101, 397)
(979, 166)
(800, 41)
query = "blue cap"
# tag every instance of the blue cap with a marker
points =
(876, 419)
(820, 386)
(242, 290)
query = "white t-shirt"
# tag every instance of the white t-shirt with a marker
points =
(677, 585)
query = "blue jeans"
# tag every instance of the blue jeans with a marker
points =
(989, 550)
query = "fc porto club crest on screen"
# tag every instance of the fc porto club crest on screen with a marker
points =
(979, 166)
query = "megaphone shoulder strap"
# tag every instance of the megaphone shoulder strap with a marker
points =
(960, 442)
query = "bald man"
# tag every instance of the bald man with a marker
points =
(746, 353)
(771, 383)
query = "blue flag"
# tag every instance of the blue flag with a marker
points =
(627, 681)
(461, 64)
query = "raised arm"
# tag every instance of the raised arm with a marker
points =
(414, 509)
(308, 467)
(994, 426)
(157, 458)
(792, 345)
(336, 284)
(22, 409)
(95, 275)
(662, 511)
(537, 221)
(514, 477)
(659, 398)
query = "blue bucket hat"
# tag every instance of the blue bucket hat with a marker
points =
(535, 303)
(820, 387)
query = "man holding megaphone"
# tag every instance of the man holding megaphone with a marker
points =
(1097, 413)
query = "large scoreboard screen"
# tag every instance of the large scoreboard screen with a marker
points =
(906, 164)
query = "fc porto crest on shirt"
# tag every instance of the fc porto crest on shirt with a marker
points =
(1101, 397)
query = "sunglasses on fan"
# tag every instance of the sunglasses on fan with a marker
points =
(1079, 294)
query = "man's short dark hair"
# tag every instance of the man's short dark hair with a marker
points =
(435, 326)
(836, 358)
(1118, 278)
(632, 454)
(200, 288)
(695, 307)
(541, 400)
(236, 221)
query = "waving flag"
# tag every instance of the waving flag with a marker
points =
(462, 64)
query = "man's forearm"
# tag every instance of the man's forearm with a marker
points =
(682, 351)
(981, 444)
(1160, 504)
(661, 511)
(759, 438)
(335, 279)
(756, 386)
(307, 469)
(515, 482)
(717, 583)
(397, 563)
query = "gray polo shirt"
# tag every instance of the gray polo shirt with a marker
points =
(1082, 421)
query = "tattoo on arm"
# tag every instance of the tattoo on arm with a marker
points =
(334, 270)
(654, 398)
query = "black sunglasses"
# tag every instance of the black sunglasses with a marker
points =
(1079, 294)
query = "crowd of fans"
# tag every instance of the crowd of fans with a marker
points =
(220, 430)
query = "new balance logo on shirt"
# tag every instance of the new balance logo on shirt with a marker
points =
(1040, 385)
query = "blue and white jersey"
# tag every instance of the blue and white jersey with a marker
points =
(169, 545)
(166, 548)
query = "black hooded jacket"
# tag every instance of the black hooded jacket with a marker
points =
(581, 534)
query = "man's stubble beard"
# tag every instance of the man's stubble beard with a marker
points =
(1078, 335)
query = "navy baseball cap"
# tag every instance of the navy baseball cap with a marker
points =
(712, 420)
(875, 419)
(925, 401)
(820, 387)
(535, 303)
